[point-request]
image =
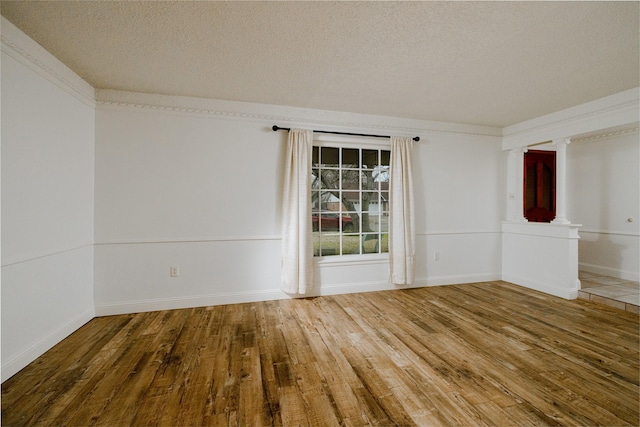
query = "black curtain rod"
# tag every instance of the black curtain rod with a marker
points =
(277, 128)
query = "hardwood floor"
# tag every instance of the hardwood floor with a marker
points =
(475, 354)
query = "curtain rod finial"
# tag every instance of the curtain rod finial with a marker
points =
(275, 128)
(416, 138)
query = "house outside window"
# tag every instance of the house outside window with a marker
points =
(350, 199)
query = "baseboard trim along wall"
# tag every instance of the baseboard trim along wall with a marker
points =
(608, 271)
(12, 366)
(543, 287)
(158, 304)
(460, 279)
(610, 253)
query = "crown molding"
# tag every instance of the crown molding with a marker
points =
(23, 49)
(107, 99)
(621, 110)
(607, 134)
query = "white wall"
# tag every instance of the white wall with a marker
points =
(202, 191)
(458, 183)
(182, 190)
(604, 192)
(47, 204)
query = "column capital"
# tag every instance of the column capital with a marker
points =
(519, 150)
(561, 141)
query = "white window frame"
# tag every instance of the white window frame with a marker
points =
(342, 141)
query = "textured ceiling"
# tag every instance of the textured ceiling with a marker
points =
(486, 63)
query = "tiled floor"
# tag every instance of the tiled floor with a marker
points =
(619, 293)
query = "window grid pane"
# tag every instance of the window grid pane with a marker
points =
(350, 201)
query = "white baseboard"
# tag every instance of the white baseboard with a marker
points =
(571, 293)
(608, 271)
(156, 304)
(462, 278)
(15, 364)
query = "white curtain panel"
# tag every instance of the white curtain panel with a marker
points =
(297, 238)
(401, 219)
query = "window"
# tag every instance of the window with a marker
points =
(350, 200)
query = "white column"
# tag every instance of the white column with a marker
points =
(518, 158)
(561, 181)
(510, 186)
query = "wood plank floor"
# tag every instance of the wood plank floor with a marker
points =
(464, 355)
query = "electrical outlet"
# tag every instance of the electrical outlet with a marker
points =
(436, 256)
(174, 271)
